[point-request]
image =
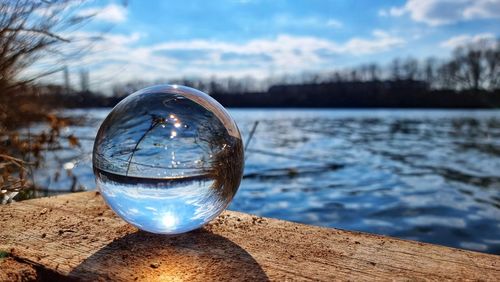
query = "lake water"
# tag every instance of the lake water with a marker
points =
(426, 175)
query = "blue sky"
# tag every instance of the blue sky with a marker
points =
(152, 40)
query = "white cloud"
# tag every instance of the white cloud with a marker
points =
(483, 9)
(282, 44)
(394, 11)
(397, 12)
(381, 41)
(334, 23)
(111, 13)
(382, 13)
(465, 39)
(440, 12)
(286, 20)
(119, 58)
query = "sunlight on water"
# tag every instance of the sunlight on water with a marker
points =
(426, 175)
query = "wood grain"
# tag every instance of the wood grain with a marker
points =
(76, 237)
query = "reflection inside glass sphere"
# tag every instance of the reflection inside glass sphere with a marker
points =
(168, 159)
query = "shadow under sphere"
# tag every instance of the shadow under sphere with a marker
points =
(197, 255)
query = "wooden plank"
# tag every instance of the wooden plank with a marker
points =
(76, 236)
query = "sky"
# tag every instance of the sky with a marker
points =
(151, 40)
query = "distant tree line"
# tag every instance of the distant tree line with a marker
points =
(473, 71)
(474, 66)
(209, 85)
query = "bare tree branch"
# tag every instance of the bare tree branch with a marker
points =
(44, 32)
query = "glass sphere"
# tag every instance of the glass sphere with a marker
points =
(168, 159)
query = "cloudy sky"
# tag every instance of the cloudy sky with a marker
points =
(170, 39)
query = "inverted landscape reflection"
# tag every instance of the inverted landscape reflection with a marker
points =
(164, 210)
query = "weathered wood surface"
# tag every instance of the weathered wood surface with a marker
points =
(77, 237)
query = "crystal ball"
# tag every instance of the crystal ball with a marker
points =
(168, 159)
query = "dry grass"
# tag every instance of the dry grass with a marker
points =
(20, 150)
(29, 31)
